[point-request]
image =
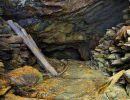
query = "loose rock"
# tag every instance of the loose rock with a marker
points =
(25, 76)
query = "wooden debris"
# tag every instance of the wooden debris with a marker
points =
(32, 46)
(112, 80)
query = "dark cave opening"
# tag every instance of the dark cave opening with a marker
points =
(67, 53)
(93, 22)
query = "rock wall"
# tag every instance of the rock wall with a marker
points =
(57, 26)
(102, 15)
(87, 15)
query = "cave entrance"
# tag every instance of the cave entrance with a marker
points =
(93, 21)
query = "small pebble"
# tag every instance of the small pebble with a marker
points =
(117, 62)
(128, 32)
(128, 39)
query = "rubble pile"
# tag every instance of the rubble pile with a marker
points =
(113, 52)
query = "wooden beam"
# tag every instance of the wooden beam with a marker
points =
(32, 46)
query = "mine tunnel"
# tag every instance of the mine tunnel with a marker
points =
(77, 30)
(66, 34)
(92, 21)
(85, 44)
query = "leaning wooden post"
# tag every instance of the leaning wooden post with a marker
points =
(32, 46)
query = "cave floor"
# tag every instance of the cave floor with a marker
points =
(79, 82)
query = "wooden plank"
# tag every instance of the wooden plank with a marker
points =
(32, 46)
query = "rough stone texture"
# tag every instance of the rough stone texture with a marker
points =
(92, 18)
(113, 52)
(43, 7)
(78, 82)
(87, 15)
(66, 24)
(102, 15)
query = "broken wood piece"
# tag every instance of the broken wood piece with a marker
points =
(112, 80)
(32, 46)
